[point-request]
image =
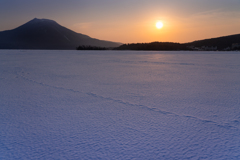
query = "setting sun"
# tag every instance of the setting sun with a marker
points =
(159, 25)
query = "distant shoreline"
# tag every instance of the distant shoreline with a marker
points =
(163, 46)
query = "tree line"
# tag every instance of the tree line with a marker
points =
(83, 47)
(154, 46)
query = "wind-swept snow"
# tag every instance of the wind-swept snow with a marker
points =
(119, 105)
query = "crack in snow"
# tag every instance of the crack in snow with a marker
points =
(226, 125)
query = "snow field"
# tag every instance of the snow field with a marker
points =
(119, 105)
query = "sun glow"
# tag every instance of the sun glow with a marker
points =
(159, 25)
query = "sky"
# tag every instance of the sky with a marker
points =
(130, 21)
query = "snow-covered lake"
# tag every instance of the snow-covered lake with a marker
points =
(119, 105)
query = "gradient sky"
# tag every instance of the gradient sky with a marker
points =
(130, 21)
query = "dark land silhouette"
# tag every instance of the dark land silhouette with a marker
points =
(47, 34)
(154, 46)
(226, 43)
(83, 47)
(231, 42)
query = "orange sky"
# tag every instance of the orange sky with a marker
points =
(131, 21)
(176, 29)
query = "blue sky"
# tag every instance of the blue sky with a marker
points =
(130, 21)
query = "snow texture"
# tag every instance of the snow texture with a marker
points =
(119, 105)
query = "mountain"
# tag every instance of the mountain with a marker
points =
(47, 34)
(221, 42)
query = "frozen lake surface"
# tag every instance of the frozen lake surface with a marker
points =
(119, 105)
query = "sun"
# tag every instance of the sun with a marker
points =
(159, 25)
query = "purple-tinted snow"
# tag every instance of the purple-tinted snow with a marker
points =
(119, 105)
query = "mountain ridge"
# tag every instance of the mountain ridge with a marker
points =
(47, 34)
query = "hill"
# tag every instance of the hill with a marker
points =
(221, 42)
(231, 42)
(154, 46)
(47, 34)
